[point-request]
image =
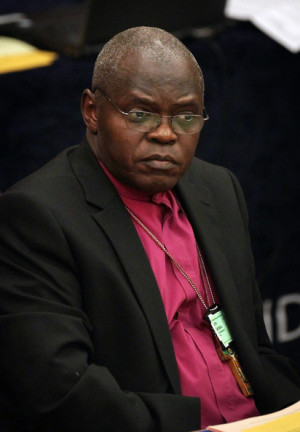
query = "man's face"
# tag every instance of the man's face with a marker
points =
(150, 161)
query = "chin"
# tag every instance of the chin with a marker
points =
(156, 186)
(150, 184)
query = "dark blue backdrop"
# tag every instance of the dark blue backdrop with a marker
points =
(252, 97)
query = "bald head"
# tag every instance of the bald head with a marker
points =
(153, 43)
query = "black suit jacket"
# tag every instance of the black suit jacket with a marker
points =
(84, 337)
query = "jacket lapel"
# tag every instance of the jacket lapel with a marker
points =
(199, 207)
(114, 220)
(200, 210)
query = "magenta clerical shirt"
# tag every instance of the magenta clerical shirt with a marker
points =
(201, 372)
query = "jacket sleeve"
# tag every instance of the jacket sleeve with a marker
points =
(48, 379)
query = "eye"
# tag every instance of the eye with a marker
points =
(185, 117)
(139, 116)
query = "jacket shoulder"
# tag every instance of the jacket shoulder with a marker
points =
(53, 172)
(209, 174)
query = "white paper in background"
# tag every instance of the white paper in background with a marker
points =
(246, 9)
(279, 19)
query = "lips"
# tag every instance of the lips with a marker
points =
(158, 161)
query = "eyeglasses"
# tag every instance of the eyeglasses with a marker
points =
(143, 121)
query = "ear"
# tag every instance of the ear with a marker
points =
(89, 110)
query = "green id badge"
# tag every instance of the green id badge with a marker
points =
(225, 348)
(217, 321)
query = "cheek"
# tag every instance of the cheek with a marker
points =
(118, 150)
(188, 149)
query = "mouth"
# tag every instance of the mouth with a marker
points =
(161, 162)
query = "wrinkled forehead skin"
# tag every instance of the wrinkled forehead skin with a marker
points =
(140, 70)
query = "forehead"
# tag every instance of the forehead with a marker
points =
(178, 76)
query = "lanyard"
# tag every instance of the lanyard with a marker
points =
(177, 265)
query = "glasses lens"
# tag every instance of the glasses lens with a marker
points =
(142, 121)
(187, 123)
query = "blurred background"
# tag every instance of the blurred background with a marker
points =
(252, 97)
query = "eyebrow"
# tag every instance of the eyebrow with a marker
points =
(190, 103)
(179, 104)
(142, 99)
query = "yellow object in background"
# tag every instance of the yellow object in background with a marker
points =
(290, 423)
(285, 420)
(16, 55)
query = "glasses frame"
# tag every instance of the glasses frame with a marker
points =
(205, 116)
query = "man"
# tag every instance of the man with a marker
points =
(114, 257)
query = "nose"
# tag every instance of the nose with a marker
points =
(164, 133)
